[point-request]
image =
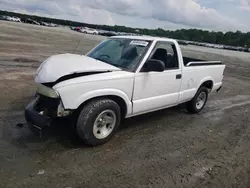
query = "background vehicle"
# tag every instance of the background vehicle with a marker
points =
(45, 24)
(13, 19)
(89, 31)
(77, 29)
(2, 17)
(120, 78)
(107, 33)
(30, 21)
(48, 24)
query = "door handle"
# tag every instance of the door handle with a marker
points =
(178, 76)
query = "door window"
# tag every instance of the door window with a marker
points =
(167, 53)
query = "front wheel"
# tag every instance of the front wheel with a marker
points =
(198, 102)
(98, 121)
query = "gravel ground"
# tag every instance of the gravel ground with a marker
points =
(169, 148)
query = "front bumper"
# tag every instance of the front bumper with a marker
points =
(34, 117)
(40, 112)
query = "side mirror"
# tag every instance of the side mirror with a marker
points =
(154, 65)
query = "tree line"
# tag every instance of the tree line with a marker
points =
(237, 38)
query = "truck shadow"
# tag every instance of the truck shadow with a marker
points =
(152, 118)
(62, 132)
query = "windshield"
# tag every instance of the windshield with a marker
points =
(120, 52)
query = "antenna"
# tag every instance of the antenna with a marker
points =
(76, 46)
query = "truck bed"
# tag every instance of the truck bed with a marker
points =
(188, 61)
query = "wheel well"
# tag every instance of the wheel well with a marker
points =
(118, 100)
(208, 84)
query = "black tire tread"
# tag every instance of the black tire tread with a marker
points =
(85, 114)
(191, 105)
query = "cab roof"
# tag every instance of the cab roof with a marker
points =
(148, 38)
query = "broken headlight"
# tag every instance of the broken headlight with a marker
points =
(46, 91)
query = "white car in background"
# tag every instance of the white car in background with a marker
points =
(89, 31)
(13, 19)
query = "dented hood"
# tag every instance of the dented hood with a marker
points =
(61, 65)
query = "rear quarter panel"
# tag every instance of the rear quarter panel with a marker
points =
(194, 76)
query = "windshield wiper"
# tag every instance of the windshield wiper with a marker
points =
(116, 65)
(100, 59)
(119, 66)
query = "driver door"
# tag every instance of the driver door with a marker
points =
(157, 90)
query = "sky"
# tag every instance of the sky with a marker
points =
(213, 15)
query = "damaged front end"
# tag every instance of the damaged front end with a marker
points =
(46, 106)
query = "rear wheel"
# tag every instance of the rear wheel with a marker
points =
(199, 101)
(98, 121)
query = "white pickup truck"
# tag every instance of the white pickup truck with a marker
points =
(121, 77)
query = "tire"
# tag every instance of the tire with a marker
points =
(92, 127)
(194, 106)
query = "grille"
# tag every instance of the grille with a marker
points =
(47, 105)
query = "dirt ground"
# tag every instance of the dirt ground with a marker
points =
(169, 148)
